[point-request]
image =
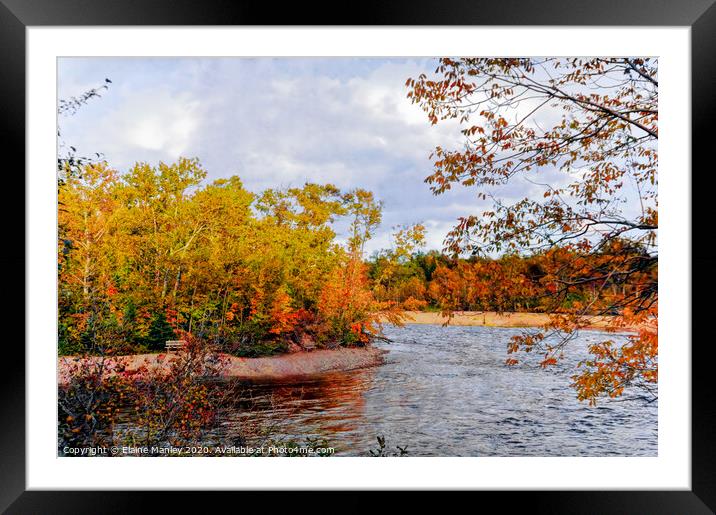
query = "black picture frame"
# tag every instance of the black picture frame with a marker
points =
(699, 15)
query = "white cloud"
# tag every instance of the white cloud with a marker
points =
(155, 121)
(276, 122)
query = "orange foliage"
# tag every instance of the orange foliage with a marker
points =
(613, 368)
(598, 257)
(283, 316)
(347, 309)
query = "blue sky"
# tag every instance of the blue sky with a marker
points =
(275, 123)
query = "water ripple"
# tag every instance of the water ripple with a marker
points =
(445, 391)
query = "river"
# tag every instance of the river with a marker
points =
(445, 391)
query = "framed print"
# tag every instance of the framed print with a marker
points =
(427, 236)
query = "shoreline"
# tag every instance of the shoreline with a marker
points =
(305, 364)
(494, 319)
(271, 368)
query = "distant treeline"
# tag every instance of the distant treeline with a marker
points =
(512, 283)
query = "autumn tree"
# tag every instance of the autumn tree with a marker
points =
(69, 167)
(581, 136)
(365, 216)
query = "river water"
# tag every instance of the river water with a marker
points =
(445, 391)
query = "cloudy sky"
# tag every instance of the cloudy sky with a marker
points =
(273, 122)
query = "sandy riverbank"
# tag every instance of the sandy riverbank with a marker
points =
(493, 319)
(285, 366)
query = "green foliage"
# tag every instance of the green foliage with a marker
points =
(66, 344)
(159, 332)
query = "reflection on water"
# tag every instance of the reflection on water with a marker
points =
(445, 391)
